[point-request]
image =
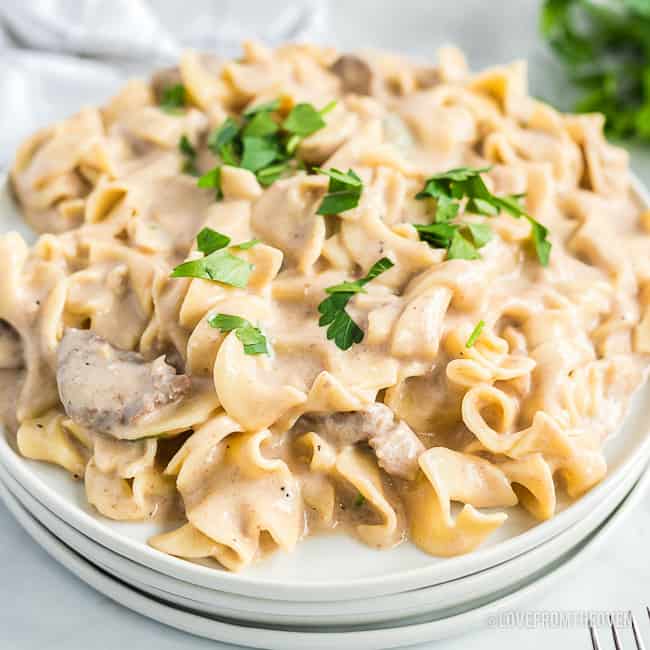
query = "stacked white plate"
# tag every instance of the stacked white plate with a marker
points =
(332, 591)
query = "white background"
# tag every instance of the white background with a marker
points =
(42, 607)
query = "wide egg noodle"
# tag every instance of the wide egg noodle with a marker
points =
(432, 417)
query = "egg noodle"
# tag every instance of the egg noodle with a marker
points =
(300, 291)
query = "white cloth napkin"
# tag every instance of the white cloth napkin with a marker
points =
(58, 55)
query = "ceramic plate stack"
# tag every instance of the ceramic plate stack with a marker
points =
(332, 591)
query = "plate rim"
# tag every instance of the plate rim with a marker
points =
(93, 526)
(279, 639)
(542, 556)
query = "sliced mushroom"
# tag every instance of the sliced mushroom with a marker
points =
(355, 74)
(108, 390)
(396, 445)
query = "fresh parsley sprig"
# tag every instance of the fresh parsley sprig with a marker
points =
(217, 263)
(476, 332)
(462, 241)
(262, 142)
(341, 327)
(189, 155)
(343, 192)
(605, 48)
(252, 338)
(173, 99)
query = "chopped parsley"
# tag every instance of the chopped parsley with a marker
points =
(252, 338)
(217, 263)
(604, 47)
(273, 105)
(223, 136)
(303, 120)
(261, 142)
(212, 179)
(476, 332)
(245, 245)
(258, 153)
(462, 241)
(173, 99)
(360, 500)
(189, 154)
(343, 192)
(341, 327)
(270, 174)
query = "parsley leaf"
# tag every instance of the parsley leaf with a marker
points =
(217, 264)
(189, 153)
(461, 248)
(303, 120)
(604, 48)
(258, 153)
(540, 241)
(480, 233)
(223, 136)
(208, 241)
(261, 143)
(342, 328)
(273, 105)
(253, 340)
(260, 125)
(245, 245)
(437, 235)
(343, 193)
(173, 99)
(270, 174)
(476, 332)
(462, 240)
(211, 179)
(359, 501)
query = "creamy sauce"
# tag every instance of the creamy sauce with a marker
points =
(167, 416)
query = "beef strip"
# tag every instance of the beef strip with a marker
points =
(106, 389)
(395, 444)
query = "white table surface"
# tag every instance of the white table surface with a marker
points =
(42, 607)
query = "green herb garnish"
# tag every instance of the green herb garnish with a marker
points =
(261, 142)
(476, 332)
(342, 328)
(245, 245)
(253, 340)
(462, 241)
(605, 47)
(189, 155)
(258, 153)
(343, 192)
(270, 174)
(212, 179)
(267, 107)
(217, 264)
(359, 501)
(223, 136)
(173, 99)
(302, 121)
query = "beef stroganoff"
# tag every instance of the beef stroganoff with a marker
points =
(303, 291)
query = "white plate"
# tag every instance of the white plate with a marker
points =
(280, 639)
(439, 599)
(325, 567)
